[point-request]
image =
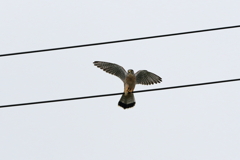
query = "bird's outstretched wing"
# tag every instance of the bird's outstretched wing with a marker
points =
(112, 68)
(147, 78)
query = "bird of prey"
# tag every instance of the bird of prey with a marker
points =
(129, 79)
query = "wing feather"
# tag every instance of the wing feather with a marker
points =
(147, 78)
(112, 68)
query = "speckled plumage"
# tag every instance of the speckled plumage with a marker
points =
(129, 79)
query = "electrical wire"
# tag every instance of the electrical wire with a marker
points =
(118, 41)
(114, 94)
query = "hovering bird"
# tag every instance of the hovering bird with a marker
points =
(129, 79)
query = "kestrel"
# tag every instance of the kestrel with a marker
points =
(129, 79)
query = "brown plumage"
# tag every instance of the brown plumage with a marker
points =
(129, 79)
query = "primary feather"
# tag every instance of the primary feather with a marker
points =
(112, 68)
(147, 78)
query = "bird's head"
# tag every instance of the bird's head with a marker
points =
(130, 71)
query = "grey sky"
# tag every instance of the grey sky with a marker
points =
(190, 123)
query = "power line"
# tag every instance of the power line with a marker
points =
(118, 41)
(114, 94)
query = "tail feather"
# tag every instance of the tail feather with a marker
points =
(127, 101)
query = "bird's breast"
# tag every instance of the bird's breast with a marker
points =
(131, 79)
(130, 83)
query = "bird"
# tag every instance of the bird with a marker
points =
(130, 79)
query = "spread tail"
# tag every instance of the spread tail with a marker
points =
(127, 100)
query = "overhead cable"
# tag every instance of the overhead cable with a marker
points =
(118, 41)
(114, 94)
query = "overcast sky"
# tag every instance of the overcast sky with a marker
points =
(185, 124)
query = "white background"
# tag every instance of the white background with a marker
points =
(189, 123)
